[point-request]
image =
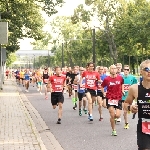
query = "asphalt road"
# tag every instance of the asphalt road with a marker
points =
(77, 133)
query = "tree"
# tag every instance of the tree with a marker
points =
(132, 31)
(11, 58)
(25, 19)
(105, 12)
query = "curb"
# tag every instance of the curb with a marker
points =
(46, 139)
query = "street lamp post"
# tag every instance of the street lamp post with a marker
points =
(62, 55)
(94, 40)
(93, 46)
(34, 62)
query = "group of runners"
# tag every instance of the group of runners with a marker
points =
(111, 89)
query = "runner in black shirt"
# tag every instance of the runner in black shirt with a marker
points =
(68, 83)
(142, 94)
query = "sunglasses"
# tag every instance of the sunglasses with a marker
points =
(126, 69)
(147, 69)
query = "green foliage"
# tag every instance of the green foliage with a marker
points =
(123, 34)
(25, 19)
(11, 58)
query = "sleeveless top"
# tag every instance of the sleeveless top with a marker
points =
(143, 102)
(45, 75)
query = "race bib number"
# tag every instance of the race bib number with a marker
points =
(99, 86)
(126, 87)
(90, 83)
(83, 87)
(113, 102)
(146, 126)
(58, 88)
(75, 87)
(45, 80)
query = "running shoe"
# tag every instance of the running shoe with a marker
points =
(119, 120)
(114, 133)
(126, 126)
(80, 112)
(90, 117)
(46, 98)
(85, 110)
(59, 121)
(100, 119)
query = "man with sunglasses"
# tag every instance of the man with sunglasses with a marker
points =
(141, 92)
(128, 81)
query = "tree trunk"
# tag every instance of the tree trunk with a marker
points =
(111, 42)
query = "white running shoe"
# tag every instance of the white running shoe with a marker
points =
(119, 120)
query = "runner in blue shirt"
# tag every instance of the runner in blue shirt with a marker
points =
(27, 79)
(81, 93)
(100, 97)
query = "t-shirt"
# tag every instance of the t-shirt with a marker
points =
(68, 74)
(128, 81)
(82, 89)
(57, 82)
(72, 77)
(114, 87)
(17, 73)
(102, 77)
(26, 76)
(21, 74)
(7, 72)
(91, 78)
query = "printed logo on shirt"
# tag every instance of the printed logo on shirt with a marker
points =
(58, 80)
(147, 95)
(90, 76)
(114, 83)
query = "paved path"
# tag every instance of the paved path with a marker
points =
(76, 133)
(17, 131)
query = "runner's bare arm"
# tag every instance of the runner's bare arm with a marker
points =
(132, 94)
(75, 80)
(50, 85)
(102, 89)
(64, 86)
(80, 82)
(123, 89)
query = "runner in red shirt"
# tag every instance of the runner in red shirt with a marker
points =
(7, 73)
(91, 78)
(57, 82)
(114, 93)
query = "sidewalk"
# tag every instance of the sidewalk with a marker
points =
(17, 130)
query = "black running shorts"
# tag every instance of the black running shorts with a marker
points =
(143, 140)
(80, 96)
(91, 91)
(99, 93)
(117, 107)
(57, 97)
